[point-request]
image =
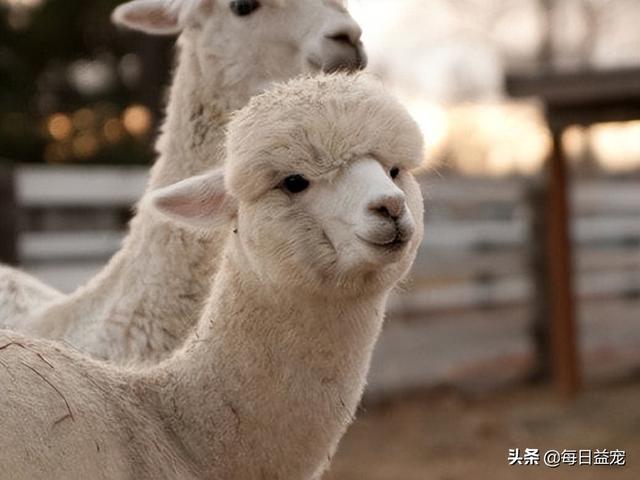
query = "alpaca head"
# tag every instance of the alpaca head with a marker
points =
(317, 186)
(255, 41)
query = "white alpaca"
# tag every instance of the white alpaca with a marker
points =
(323, 218)
(144, 303)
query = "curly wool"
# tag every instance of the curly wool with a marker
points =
(345, 117)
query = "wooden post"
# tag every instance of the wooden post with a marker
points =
(560, 266)
(8, 217)
(536, 199)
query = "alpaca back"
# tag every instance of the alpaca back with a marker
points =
(69, 417)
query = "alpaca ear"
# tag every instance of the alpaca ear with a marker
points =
(156, 17)
(199, 202)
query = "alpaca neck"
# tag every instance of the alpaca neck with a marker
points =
(271, 380)
(143, 304)
(193, 133)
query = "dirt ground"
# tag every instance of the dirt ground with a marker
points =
(447, 435)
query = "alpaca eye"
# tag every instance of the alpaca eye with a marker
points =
(394, 172)
(242, 8)
(295, 184)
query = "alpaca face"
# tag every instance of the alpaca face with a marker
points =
(255, 42)
(353, 229)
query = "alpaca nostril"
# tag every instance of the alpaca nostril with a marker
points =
(384, 212)
(348, 34)
(342, 38)
(389, 208)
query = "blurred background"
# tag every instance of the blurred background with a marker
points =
(465, 368)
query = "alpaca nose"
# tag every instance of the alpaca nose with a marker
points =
(346, 40)
(389, 207)
(349, 33)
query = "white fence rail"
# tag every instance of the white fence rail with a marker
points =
(72, 186)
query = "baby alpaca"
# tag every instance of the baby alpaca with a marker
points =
(319, 230)
(145, 302)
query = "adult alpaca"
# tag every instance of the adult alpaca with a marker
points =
(327, 218)
(141, 306)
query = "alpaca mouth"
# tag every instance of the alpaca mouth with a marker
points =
(398, 242)
(347, 64)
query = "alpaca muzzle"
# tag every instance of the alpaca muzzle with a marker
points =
(351, 58)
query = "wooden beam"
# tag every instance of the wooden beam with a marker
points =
(577, 88)
(566, 370)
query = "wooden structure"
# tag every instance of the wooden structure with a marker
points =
(577, 98)
(8, 217)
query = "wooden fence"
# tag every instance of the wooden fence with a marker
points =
(65, 222)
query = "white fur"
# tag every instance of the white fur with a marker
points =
(143, 304)
(271, 378)
(19, 293)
